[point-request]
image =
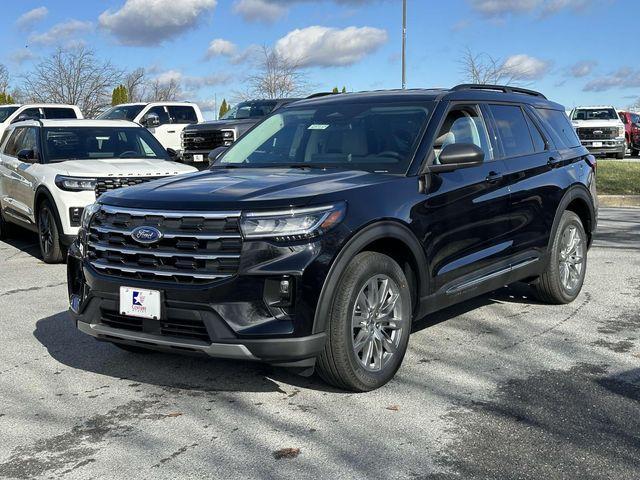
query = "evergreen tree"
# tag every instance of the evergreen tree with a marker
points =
(224, 108)
(344, 89)
(119, 95)
(335, 90)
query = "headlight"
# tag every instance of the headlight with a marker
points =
(621, 131)
(294, 224)
(75, 184)
(227, 134)
(88, 213)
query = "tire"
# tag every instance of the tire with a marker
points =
(134, 349)
(620, 155)
(48, 234)
(339, 363)
(635, 152)
(564, 275)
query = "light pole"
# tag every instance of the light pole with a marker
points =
(404, 44)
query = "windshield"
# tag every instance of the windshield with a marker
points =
(5, 112)
(97, 143)
(249, 110)
(355, 136)
(594, 114)
(121, 112)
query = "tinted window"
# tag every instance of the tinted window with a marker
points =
(513, 130)
(538, 141)
(59, 113)
(635, 118)
(29, 113)
(182, 114)
(372, 137)
(560, 123)
(78, 143)
(5, 112)
(249, 110)
(122, 112)
(14, 141)
(623, 117)
(161, 112)
(463, 124)
(28, 140)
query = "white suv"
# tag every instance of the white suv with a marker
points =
(17, 113)
(165, 120)
(51, 169)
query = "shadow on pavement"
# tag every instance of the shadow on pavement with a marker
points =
(25, 241)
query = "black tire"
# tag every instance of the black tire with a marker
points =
(48, 234)
(6, 229)
(549, 286)
(339, 364)
(620, 155)
(134, 349)
(635, 152)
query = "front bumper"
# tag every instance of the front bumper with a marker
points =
(605, 147)
(188, 157)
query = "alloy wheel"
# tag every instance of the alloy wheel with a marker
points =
(571, 261)
(46, 235)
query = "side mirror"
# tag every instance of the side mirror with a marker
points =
(215, 154)
(458, 155)
(151, 120)
(27, 156)
(172, 154)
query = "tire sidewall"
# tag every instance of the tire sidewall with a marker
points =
(55, 255)
(362, 268)
(568, 218)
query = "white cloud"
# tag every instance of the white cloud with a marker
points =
(582, 69)
(501, 8)
(26, 20)
(21, 56)
(221, 47)
(525, 67)
(259, 10)
(193, 82)
(325, 46)
(625, 77)
(150, 22)
(61, 32)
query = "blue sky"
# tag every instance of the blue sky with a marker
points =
(575, 51)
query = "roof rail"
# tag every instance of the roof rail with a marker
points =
(500, 88)
(321, 94)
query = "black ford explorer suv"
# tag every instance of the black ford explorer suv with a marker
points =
(199, 139)
(321, 235)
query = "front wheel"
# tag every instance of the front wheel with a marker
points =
(635, 152)
(562, 280)
(369, 324)
(48, 235)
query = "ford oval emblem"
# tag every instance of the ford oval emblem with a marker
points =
(146, 235)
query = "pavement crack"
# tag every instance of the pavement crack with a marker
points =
(31, 289)
(175, 454)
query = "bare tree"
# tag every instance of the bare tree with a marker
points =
(73, 76)
(136, 84)
(163, 91)
(482, 68)
(4, 79)
(275, 77)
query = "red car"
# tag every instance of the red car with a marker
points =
(632, 131)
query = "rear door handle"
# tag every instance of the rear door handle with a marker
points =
(493, 177)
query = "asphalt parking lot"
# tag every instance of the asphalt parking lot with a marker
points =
(498, 387)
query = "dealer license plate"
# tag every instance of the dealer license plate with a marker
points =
(138, 302)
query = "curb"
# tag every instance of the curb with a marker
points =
(619, 200)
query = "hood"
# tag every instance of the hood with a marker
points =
(125, 167)
(597, 123)
(238, 189)
(244, 123)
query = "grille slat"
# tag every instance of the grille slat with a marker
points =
(106, 184)
(202, 140)
(194, 247)
(597, 133)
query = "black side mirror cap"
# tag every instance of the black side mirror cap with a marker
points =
(172, 154)
(215, 154)
(458, 155)
(27, 155)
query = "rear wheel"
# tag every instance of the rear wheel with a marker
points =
(49, 235)
(562, 280)
(369, 324)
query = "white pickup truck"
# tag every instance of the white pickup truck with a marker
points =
(165, 120)
(600, 130)
(17, 113)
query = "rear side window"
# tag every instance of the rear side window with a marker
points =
(182, 114)
(50, 112)
(560, 123)
(513, 130)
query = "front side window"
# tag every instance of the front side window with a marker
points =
(594, 114)
(512, 129)
(11, 148)
(91, 143)
(161, 113)
(372, 137)
(463, 124)
(28, 140)
(6, 112)
(121, 112)
(250, 110)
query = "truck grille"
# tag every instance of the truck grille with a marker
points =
(194, 247)
(201, 140)
(597, 133)
(111, 183)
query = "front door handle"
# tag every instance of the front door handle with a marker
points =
(493, 177)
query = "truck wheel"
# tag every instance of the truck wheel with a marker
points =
(635, 152)
(369, 324)
(48, 235)
(562, 280)
(620, 155)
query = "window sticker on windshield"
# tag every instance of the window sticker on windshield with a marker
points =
(317, 126)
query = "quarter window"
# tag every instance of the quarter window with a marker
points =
(538, 142)
(560, 123)
(513, 130)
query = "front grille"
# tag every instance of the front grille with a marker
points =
(178, 328)
(597, 133)
(194, 247)
(193, 329)
(111, 183)
(205, 140)
(112, 319)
